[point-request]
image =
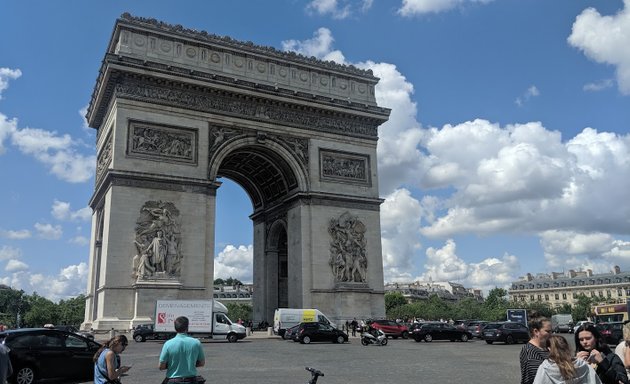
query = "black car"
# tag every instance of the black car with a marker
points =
(308, 332)
(41, 353)
(506, 331)
(73, 329)
(441, 331)
(144, 332)
(611, 332)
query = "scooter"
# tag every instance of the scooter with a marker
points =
(368, 338)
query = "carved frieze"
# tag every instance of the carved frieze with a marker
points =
(348, 258)
(344, 166)
(158, 242)
(219, 135)
(252, 109)
(104, 158)
(162, 142)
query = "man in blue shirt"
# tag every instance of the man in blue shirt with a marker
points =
(182, 355)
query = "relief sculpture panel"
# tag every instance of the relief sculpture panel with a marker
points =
(161, 142)
(158, 242)
(348, 258)
(342, 166)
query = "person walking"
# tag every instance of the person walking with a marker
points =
(354, 326)
(623, 348)
(561, 367)
(182, 355)
(535, 351)
(6, 369)
(107, 365)
(593, 349)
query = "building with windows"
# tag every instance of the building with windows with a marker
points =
(241, 294)
(559, 288)
(422, 290)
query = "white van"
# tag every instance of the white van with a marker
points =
(285, 318)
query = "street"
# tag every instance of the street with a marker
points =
(262, 359)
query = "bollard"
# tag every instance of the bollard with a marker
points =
(269, 331)
(248, 331)
(112, 333)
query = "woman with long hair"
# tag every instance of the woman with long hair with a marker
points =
(593, 349)
(562, 367)
(107, 367)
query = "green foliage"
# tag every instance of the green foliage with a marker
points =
(43, 311)
(72, 311)
(582, 309)
(393, 300)
(229, 281)
(12, 302)
(237, 310)
(538, 309)
(496, 304)
(35, 311)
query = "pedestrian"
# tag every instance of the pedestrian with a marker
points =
(534, 352)
(182, 355)
(354, 326)
(107, 364)
(561, 367)
(593, 349)
(6, 369)
(623, 348)
(347, 326)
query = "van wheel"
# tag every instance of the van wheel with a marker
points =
(25, 375)
(306, 340)
(139, 338)
(232, 338)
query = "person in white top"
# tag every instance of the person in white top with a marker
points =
(562, 367)
(623, 348)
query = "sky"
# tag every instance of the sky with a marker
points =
(507, 150)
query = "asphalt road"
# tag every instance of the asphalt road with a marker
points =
(261, 359)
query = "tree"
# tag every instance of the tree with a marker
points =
(42, 311)
(239, 311)
(12, 304)
(72, 311)
(582, 309)
(393, 300)
(496, 305)
(219, 281)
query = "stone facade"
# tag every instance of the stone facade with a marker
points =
(176, 110)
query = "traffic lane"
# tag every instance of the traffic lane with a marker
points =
(262, 360)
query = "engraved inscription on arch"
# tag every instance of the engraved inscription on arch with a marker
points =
(344, 167)
(162, 142)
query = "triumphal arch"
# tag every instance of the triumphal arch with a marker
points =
(177, 111)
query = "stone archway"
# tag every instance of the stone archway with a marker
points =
(176, 110)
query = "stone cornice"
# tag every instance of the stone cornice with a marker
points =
(152, 181)
(155, 47)
(127, 19)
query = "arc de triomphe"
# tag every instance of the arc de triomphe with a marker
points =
(176, 110)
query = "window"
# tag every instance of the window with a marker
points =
(539, 297)
(531, 298)
(74, 342)
(564, 296)
(608, 294)
(619, 292)
(575, 295)
(601, 293)
(557, 296)
(546, 297)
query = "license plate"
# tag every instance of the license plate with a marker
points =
(487, 334)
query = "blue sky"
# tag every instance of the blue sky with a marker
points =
(507, 150)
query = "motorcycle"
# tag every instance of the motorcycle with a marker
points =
(376, 337)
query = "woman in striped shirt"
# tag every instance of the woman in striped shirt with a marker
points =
(535, 351)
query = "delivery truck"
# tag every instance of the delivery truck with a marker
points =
(207, 319)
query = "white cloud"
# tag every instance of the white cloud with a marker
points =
(421, 7)
(599, 85)
(79, 240)
(14, 265)
(15, 235)
(7, 128)
(532, 91)
(443, 264)
(400, 233)
(70, 282)
(605, 39)
(7, 252)
(338, 9)
(320, 46)
(61, 211)
(7, 74)
(48, 231)
(235, 262)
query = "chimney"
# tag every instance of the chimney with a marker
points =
(589, 272)
(617, 270)
(529, 277)
(571, 273)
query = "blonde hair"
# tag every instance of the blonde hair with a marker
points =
(561, 354)
(626, 331)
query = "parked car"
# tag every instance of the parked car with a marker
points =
(441, 331)
(41, 353)
(475, 327)
(611, 332)
(506, 331)
(415, 327)
(308, 332)
(579, 324)
(70, 328)
(391, 328)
